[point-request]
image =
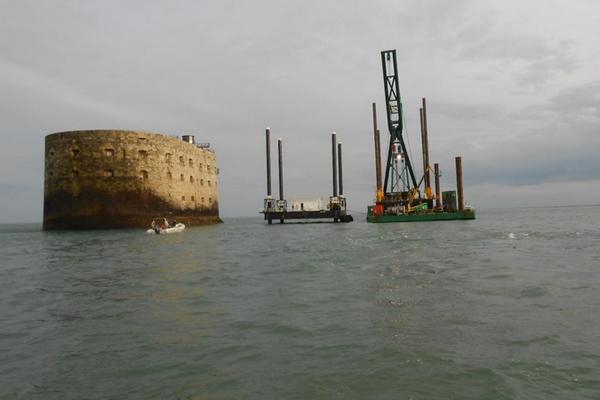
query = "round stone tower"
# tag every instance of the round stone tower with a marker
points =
(122, 179)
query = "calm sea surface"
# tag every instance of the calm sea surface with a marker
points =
(504, 307)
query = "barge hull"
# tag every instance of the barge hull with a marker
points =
(422, 217)
(321, 214)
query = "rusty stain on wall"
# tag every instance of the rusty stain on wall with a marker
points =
(122, 179)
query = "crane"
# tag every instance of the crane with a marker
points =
(399, 175)
(399, 198)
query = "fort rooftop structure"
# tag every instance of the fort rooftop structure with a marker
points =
(122, 179)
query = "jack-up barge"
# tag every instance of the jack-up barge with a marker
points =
(278, 209)
(399, 198)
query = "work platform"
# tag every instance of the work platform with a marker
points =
(401, 197)
(278, 209)
(338, 214)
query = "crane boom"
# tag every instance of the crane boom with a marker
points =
(403, 174)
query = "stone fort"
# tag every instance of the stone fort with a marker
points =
(122, 179)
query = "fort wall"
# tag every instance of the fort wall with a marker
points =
(123, 179)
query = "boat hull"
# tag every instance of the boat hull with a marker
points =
(176, 229)
(423, 217)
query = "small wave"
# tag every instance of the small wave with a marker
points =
(541, 340)
(533, 291)
(515, 236)
(499, 276)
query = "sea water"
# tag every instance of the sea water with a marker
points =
(503, 307)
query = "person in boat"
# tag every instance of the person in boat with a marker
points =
(155, 226)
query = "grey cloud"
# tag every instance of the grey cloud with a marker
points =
(559, 141)
(535, 58)
(509, 49)
(556, 140)
(581, 100)
(224, 70)
(468, 111)
(21, 202)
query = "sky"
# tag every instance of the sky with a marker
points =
(511, 86)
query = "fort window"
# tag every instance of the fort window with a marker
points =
(143, 154)
(108, 173)
(202, 200)
(75, 152)
(193, 198)
(202, 182)
(51, 153)
(181, 160)
(124, 154)
(144, 175)
(183, 198)
(208, 167)
(51, 173)
(181, 176)
(169, 175)
(208, 182)
(191, 162)
(210, 200)
(168, 157)
(191, 179)
(109, 152)
(75, 173)
(200, 166)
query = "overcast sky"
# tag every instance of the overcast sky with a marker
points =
(512, 86)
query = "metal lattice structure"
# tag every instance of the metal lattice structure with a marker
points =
(399, 175)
